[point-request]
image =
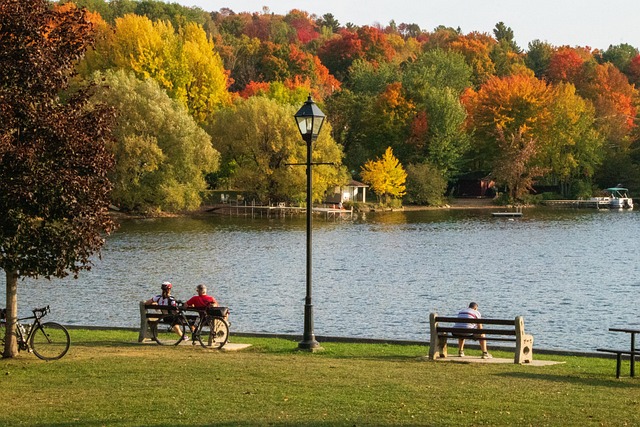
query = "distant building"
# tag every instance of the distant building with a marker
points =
(474, 184)
(354, 191)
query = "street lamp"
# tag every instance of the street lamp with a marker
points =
(309, 119)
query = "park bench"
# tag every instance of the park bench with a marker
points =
(632, 353)
(442, 329)
(154, 312)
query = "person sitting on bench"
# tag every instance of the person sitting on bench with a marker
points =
(202, 300)
(471, 313)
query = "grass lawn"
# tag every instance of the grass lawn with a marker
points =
(107, 378)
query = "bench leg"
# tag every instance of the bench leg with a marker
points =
(618, 362)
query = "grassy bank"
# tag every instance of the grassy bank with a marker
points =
(109, 379)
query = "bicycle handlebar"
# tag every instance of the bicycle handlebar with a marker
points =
(42, 311)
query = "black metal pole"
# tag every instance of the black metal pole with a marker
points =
(308, 339)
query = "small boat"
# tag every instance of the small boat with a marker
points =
(616, 198)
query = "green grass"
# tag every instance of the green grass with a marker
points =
(107, 378)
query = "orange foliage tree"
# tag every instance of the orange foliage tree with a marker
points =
(476, 48)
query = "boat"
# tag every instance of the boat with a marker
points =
(616, 198)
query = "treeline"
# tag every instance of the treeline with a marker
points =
(206, 99)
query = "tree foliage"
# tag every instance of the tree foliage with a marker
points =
(358, 71)
(259, 136)
(54, 189)
(162, 155)
(185, 63)
(425, 184)
(386, 176)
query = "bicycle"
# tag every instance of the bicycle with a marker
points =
(209, 328)
(48, 341)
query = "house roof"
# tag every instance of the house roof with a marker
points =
(354, 183)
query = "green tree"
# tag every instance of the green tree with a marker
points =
(365, 77)
(260, 136)
(386, 176)
(162, 155)
(620, 55)
(425, 184)
(436, 68)
(446, 138)
(505, 34)
(538, 57)
(54, 190)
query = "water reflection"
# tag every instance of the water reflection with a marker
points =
(566, 271)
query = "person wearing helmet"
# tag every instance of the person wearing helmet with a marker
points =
(165, 298)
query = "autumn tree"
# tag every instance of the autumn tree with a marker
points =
(184, 63)
(258, 140)
(162, 155)
(502, 109)
(476, 48)
(573, 149)
(515, 167)
(54, 190)
(386, 176)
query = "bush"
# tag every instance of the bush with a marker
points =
(425, 185)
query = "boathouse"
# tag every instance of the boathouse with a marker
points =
(354, 191)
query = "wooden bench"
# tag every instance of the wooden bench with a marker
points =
(442, 329)
(151, 312)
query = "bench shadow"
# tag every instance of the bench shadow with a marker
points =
(597, 382)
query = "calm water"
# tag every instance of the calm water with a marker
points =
(571, 273)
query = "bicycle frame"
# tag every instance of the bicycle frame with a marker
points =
(23, 342)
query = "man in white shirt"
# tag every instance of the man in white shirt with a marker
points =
(471, 313)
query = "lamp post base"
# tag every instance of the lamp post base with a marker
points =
(311, 345)
(308, 342)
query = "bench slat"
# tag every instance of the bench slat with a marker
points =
(466, 331)
(486, 321)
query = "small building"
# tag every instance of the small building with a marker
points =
(353, 191)
(474, 184)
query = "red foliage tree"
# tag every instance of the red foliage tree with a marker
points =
(54, 190)
(566, 64)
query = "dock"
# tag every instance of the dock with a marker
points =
(578, 204)
(279, 211)
(506, 214)
(509, 214)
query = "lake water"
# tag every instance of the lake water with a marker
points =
(572, 274)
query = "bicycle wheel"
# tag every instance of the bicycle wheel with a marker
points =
(164, 332)
(213, 332)
(50, 341)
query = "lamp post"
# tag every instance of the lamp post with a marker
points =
(309, 119)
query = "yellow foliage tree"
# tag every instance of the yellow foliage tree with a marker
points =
(386, 176)
(184, 62)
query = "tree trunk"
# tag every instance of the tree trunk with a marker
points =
(10, 344)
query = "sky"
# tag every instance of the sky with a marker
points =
(593, 23)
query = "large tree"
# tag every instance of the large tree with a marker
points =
(183, 63)
(53, 162)
(258, 141)
(161, 154)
